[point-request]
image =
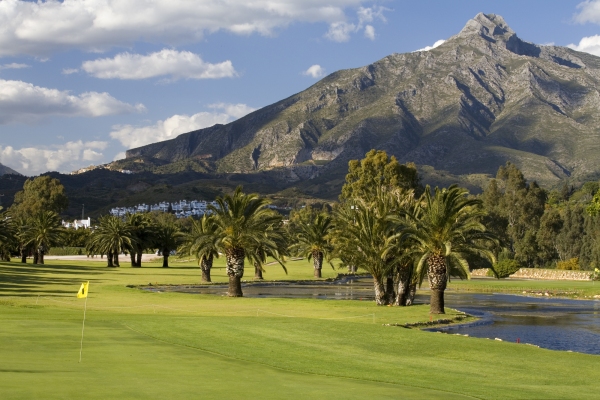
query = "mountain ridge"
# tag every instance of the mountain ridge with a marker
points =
(6, 170)
(480, 99)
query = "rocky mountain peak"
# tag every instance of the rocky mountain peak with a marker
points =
(495, 33)
(483, 97)
(489, 26)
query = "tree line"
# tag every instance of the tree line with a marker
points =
(385, 223)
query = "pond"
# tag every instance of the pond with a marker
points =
(552, 323)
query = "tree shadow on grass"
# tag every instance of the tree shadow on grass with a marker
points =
(29, 281)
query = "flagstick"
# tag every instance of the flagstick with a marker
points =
(82, 328)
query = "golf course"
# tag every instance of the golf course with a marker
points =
(153, 344)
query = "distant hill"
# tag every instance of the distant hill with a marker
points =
(5, 170)
(482, 98)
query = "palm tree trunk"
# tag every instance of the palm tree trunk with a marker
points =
(166, 258)
(132, 256)
(390, 290)
(41, 256)
(109, 259)
(380, 297)
(205, 266)
(35, 257)
(138, 262)
(317, 262)
(402, 283)
(24, 256)
(116, 259)
(235, 270)
(438, 278)
(412, 291)
(257, 271)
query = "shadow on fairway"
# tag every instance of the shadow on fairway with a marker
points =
(34, 280)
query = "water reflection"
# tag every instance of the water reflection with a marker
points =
(558, 324)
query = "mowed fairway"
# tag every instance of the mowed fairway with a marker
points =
(140, 344)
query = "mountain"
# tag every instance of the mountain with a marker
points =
(5, 170)
(482, 98)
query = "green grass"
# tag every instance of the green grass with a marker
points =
(140, 344)
(575, 289)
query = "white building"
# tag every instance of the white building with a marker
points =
(78, 223)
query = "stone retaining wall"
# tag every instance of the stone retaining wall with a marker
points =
(537, 273)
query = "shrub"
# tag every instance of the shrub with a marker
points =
(569, 265)
(66, 251)
(504, 268)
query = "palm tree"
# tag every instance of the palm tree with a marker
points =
(446, 233)
(167, 237)
(112, 237)
(312, 241)
(243, 221)
(44, 231)
(372, 241)
(274, 244)
(20, 225)
(143, 233)
(7, 237)
(203, 243)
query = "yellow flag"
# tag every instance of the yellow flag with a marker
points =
(83, 290)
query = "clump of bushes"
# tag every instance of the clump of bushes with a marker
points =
(504, 268)
(569, 265)
(66, 251)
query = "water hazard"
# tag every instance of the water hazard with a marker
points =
(558, 324)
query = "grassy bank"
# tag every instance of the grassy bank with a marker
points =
(140, 344)
(573, 289)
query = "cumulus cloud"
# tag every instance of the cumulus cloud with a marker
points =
(14, 66)
(69, 71)
(341, 31)
(42, 28)
(173, 63)
(590, 44)
(23, 102)
(315, 71)
(134, 136)
(66, 157)
(427, 48)
(588, 11)
(370, 32)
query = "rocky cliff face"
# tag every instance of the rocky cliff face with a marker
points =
(483, 97)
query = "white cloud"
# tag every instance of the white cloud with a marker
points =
(134, 136)
(370, 14)
(69, 71)
(341, 31)
(589, 11)
(427, 48)
(176, 64)
(590, 44)
(42, 28)
(370, 32)
(14, 66)
(63, 158)
(315, 71)
(23, 102)
(233, 110)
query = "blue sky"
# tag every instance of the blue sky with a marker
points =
(81, 81)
